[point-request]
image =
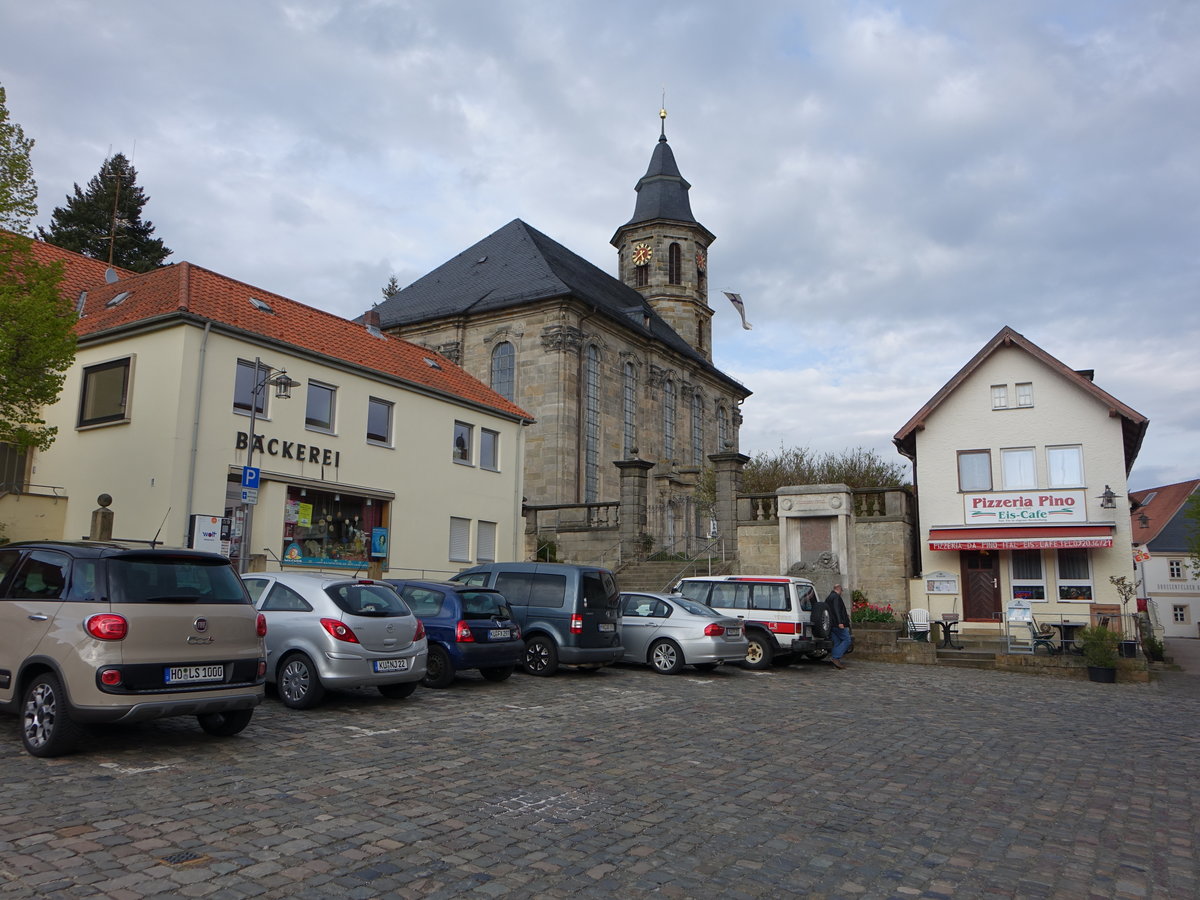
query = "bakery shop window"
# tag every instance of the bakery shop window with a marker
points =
(328, 528)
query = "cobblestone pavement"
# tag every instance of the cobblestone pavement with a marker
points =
(878, 781)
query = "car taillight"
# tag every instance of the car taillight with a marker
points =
(339, 630)
(462, 633)
(260, 627)
(576, 624)
(110, 677)
(420, 632)
(714, 630)
(107, 627)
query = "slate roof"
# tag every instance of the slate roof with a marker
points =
(662, 191)
(1168, 528)
(186, 291)
(517, 265)
(1133, 423)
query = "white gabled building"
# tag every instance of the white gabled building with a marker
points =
(1020, 464)
(1166, 574)
(379, 433)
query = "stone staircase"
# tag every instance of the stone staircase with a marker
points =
(976, 653)
(655, 575)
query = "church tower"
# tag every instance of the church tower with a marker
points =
(663, 251)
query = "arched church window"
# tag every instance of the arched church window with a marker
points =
(669, 419)
(697, 429)
(722, 427)
(674, 264)
(504, 370)
(591, 425)
(643, 275)
(630, 408)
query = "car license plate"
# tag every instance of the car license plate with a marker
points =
(607, 626)
(391, 665)
(734, 632)
(499, 634)
(193, 674)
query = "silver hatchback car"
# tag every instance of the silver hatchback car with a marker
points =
(327, 631)
(669, 631)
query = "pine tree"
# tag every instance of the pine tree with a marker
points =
(87, 223)
(37, 342)
(391, 289)
(18, 190)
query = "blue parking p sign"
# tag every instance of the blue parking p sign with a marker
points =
(250, 476)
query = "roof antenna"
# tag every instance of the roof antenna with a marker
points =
(662, 114)
(154, 540)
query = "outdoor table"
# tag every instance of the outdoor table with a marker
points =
(949, 624)
(1066, 632)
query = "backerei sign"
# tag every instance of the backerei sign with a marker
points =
(309, 453)
(1025, 507)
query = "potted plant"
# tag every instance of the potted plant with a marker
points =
(1099, 653)
(1126, 590)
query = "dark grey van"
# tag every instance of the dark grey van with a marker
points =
(569, 615)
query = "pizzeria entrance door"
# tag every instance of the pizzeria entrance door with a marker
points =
(981, 585)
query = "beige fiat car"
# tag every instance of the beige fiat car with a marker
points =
(111, 633)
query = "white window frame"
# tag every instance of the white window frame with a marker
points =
(999, 396)
(1018, 468)
(485, 542)
(489, 449)
(462, 448)
(1066, 585)
(317, 389)
(1025, 585)
(965, 485)
(390, 409)
(1058, 466)
(243, 409)
(1179, 613)
(88, 389)
(460, 539)
(1024, 394)
(1175, 569)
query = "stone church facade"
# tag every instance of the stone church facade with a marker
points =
(613, 369)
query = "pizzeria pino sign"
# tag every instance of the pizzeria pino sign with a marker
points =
(1025, 507)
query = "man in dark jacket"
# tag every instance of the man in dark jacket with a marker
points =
(839, 621)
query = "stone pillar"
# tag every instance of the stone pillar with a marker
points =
(634, 511)
(102, 520)
(728, 468)
(816, 535)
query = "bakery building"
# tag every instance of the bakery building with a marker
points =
(1020, 464)
(367, 448)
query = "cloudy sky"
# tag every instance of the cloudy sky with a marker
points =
(889, 183)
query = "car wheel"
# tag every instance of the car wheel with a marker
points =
(497, 673)
(541, 656)
(706, 667)
(439, 670)
(666, 657)
(47, 728)
(298, 682)
(225, 724)
(759, 653)
(817, 654)
(398, 691)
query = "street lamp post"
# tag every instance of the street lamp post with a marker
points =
(283, 385)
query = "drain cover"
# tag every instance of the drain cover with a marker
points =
(184, 858)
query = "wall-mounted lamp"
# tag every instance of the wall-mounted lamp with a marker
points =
(303, 492)
(1108, 500)
(337, 496)
(370, 502)
(1145, 520)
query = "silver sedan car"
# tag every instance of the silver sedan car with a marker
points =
(669, 631)
(334, 631)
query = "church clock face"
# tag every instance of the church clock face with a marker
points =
(701, 260)
(642, 254)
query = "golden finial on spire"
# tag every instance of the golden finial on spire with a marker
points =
(662, 114)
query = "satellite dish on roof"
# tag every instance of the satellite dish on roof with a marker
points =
(110, 276)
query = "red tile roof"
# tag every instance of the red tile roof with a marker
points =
(189, 291)
(1159, 505)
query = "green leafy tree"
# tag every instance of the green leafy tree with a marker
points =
(858, 468)
(105, 221)
(1192, 538)
(18, 190)
(37, 342)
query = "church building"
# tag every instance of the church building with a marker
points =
(612, 369)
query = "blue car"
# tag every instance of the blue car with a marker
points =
(467, 628)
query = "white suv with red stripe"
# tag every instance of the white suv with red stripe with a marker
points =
(784, 618)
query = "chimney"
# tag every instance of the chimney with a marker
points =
(371, 318)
